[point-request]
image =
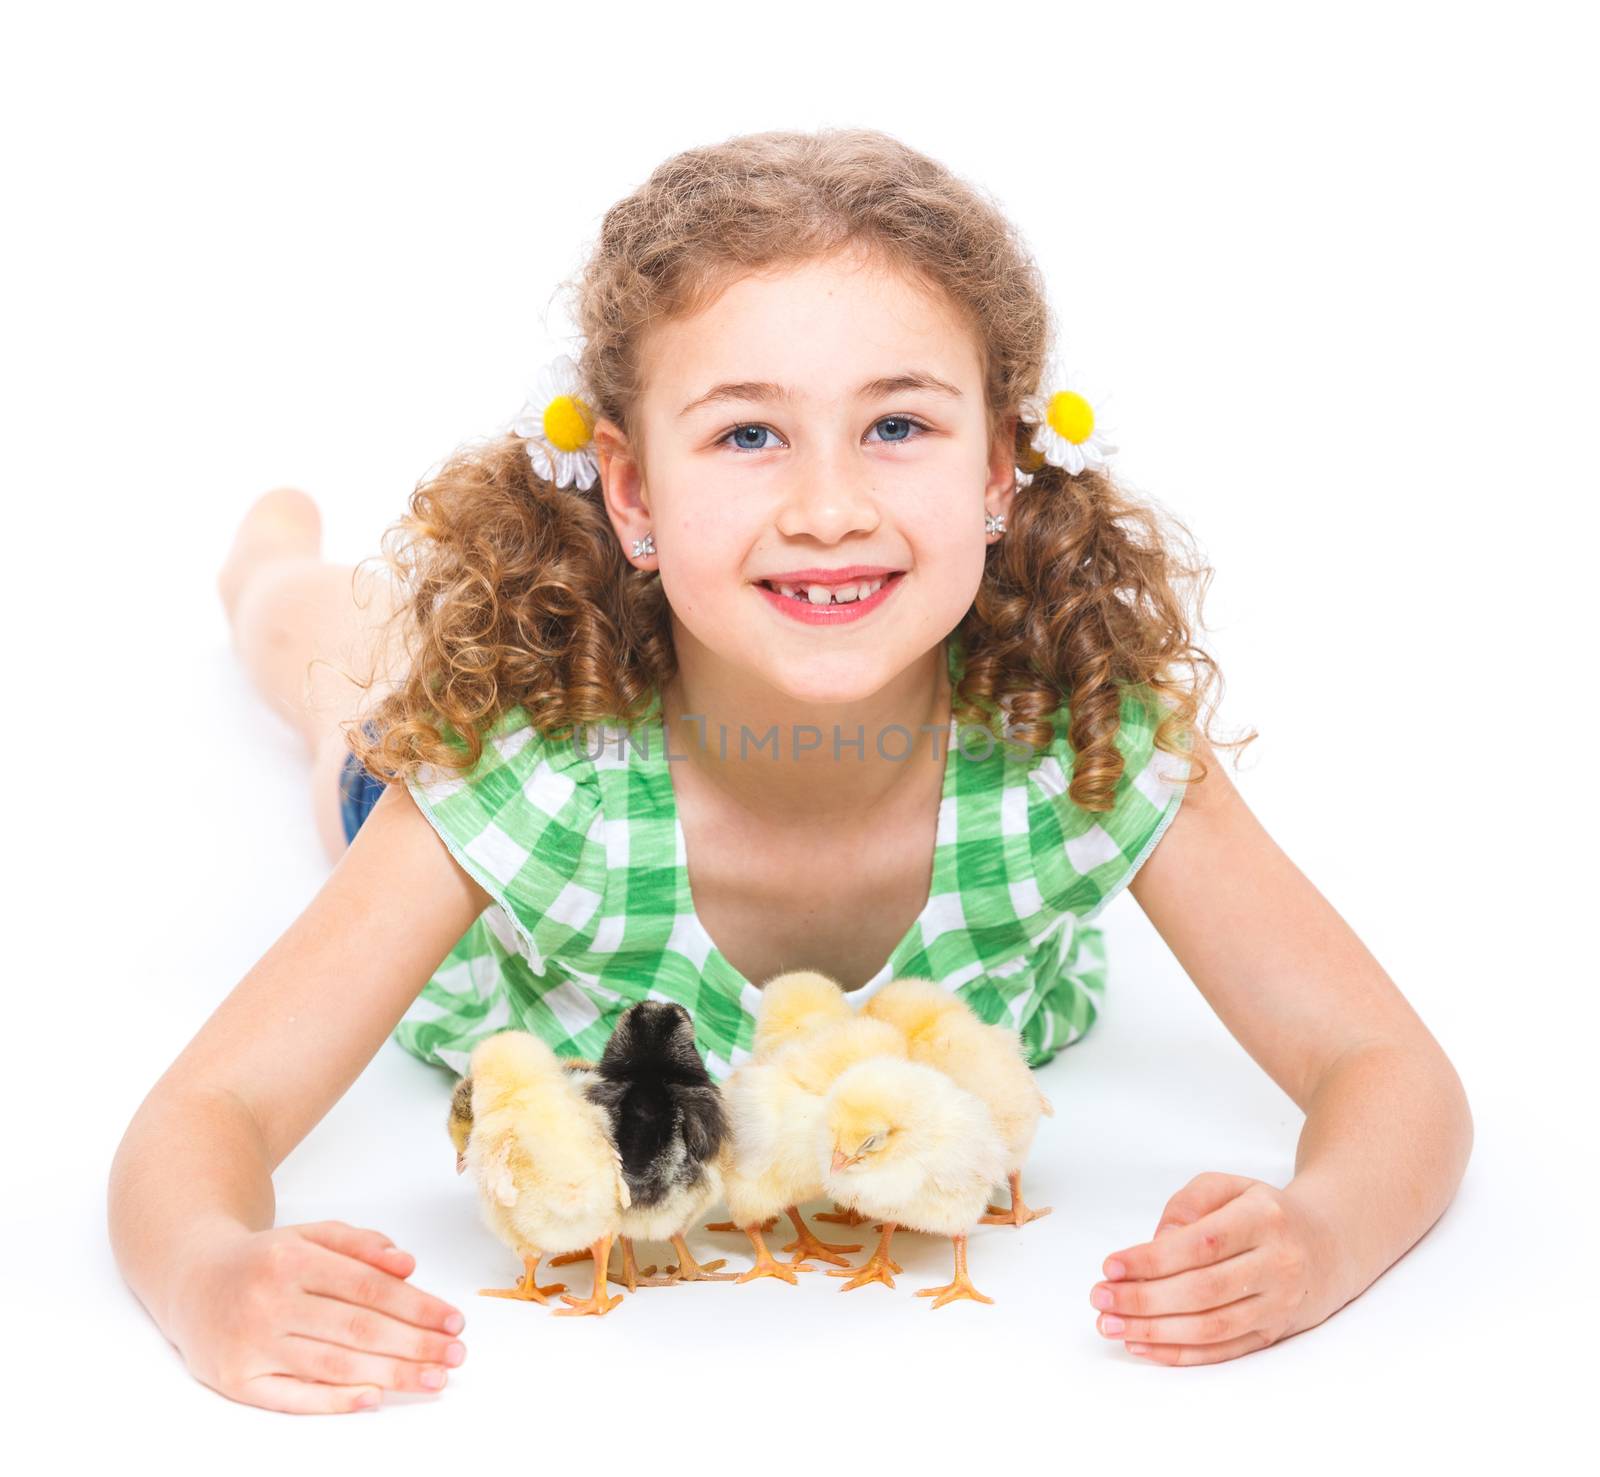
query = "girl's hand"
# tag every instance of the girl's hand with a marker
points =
(1235, 1265)
(312, 1318)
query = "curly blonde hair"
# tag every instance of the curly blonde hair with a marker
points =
(515, 592)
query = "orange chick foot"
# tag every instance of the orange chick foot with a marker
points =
(689, 1270)
(842, 1216)
(805, 1246)
(527, 1289)
(877, 1268)
(958, 1287)
(1018, 1214)
(766, 1264)
(599, 1302)
(766, 1225)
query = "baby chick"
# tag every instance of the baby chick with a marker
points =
(902, 1142)
(807, 1033)
(794, 1005)
(769, 1163)
(460, 1119)
(549, 1178)
(668, 1123)
(941, 1030)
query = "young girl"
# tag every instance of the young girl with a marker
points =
(799, 622)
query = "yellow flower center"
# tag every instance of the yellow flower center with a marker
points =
(1070, 416)
(568, 423)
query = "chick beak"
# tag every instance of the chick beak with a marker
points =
(841, 1159)
(461, 1162)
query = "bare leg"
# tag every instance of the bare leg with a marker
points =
(305, 631)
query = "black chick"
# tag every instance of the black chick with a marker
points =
(668, 1123)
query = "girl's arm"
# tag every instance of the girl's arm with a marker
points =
(1235, 1263)
(305, 1317)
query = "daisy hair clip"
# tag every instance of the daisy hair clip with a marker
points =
(557, 424)
(1066, 432)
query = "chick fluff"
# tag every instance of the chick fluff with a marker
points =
(668, 1123)
(940, 1030)
(902, 1142)
(540, 1153)
(809, 1034)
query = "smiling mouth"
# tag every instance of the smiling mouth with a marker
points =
(845, 594)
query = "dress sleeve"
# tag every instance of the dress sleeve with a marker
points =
(1085, 858)
(525, 824)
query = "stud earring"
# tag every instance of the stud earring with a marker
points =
(643, 547)
(994, 522)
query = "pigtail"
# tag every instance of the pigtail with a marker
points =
(1081, 600)
(511, 591)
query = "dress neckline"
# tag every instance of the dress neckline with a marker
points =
(654, 758)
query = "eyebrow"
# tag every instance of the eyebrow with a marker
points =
(891, 384)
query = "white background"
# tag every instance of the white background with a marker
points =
(1335, 273)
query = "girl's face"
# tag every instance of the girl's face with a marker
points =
(825, 418)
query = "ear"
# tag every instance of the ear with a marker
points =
(1001, 485)
(705, 1121)
(621, 483)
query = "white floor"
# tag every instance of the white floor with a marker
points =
(1461, 1342)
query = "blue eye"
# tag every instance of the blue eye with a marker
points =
(745, 446)
(904, 425)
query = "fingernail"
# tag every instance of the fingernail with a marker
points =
(1115, 1270)
(433, 1378)
(367, 1401)
(1112, 1324)
(1137, 1348)
(454, 1324)
(455, 1353)
(1101, 1297)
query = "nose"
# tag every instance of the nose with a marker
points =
(830, 497)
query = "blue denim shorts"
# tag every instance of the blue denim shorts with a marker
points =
(358, 791)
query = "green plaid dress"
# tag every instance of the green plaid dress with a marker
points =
(580, 844)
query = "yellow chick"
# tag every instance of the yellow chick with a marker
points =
(548, 1175)
(459, 1122)
(792, 1006)
(768, 1164)
(941, 1031)
(807, 1033)
(902, 1142)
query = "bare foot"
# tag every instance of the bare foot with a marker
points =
(283, 521)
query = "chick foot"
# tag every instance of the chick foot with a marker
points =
(599, 1302)
(1019, 1213)
(842, 1215)
(766, 1264)
(689, 1270)
(766, 1225)
(877, 1267)
(805, 1246)
(586, 1255)
(527, 1289)
(960, 1286)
